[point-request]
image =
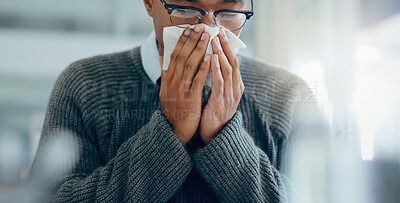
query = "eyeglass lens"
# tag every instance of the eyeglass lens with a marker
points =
(229, 20)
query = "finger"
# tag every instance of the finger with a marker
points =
(230, 54)
(163, 72)
(192, 64)
(187, 50)
(217, 79)
(201, 77)
(233, 60)
(164, 84)
(226, 67)
(163, 76)
(174, 55)
(161, 59)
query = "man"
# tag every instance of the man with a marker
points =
(133, 139)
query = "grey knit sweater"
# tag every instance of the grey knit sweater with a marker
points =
(121, 148)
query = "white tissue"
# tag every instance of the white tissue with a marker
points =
(172, 34)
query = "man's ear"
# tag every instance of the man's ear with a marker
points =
(149, 4)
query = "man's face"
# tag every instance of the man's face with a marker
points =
(161, 17)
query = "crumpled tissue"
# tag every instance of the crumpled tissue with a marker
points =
(172, 34)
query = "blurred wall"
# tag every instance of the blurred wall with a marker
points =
(39, 39)
(348, 51)
(340, 47)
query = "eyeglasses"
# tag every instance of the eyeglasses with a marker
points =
(185, 16)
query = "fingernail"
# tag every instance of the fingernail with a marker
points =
(206, 58)
(203, 36)
(216, 59)
(187, 32)
(197, 28)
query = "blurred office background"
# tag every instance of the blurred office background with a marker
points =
(347, 50)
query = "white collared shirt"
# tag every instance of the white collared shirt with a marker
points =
(150, 58)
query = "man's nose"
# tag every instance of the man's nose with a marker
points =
(208, 19)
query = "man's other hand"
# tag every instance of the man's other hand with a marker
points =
(227, 89)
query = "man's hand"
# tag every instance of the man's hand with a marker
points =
(181, 88)
(227, 89)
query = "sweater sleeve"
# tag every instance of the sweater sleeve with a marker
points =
(149, 167)
(237, 170)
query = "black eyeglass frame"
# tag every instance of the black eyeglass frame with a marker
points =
(171, 7)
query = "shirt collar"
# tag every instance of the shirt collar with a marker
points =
(150, 58)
